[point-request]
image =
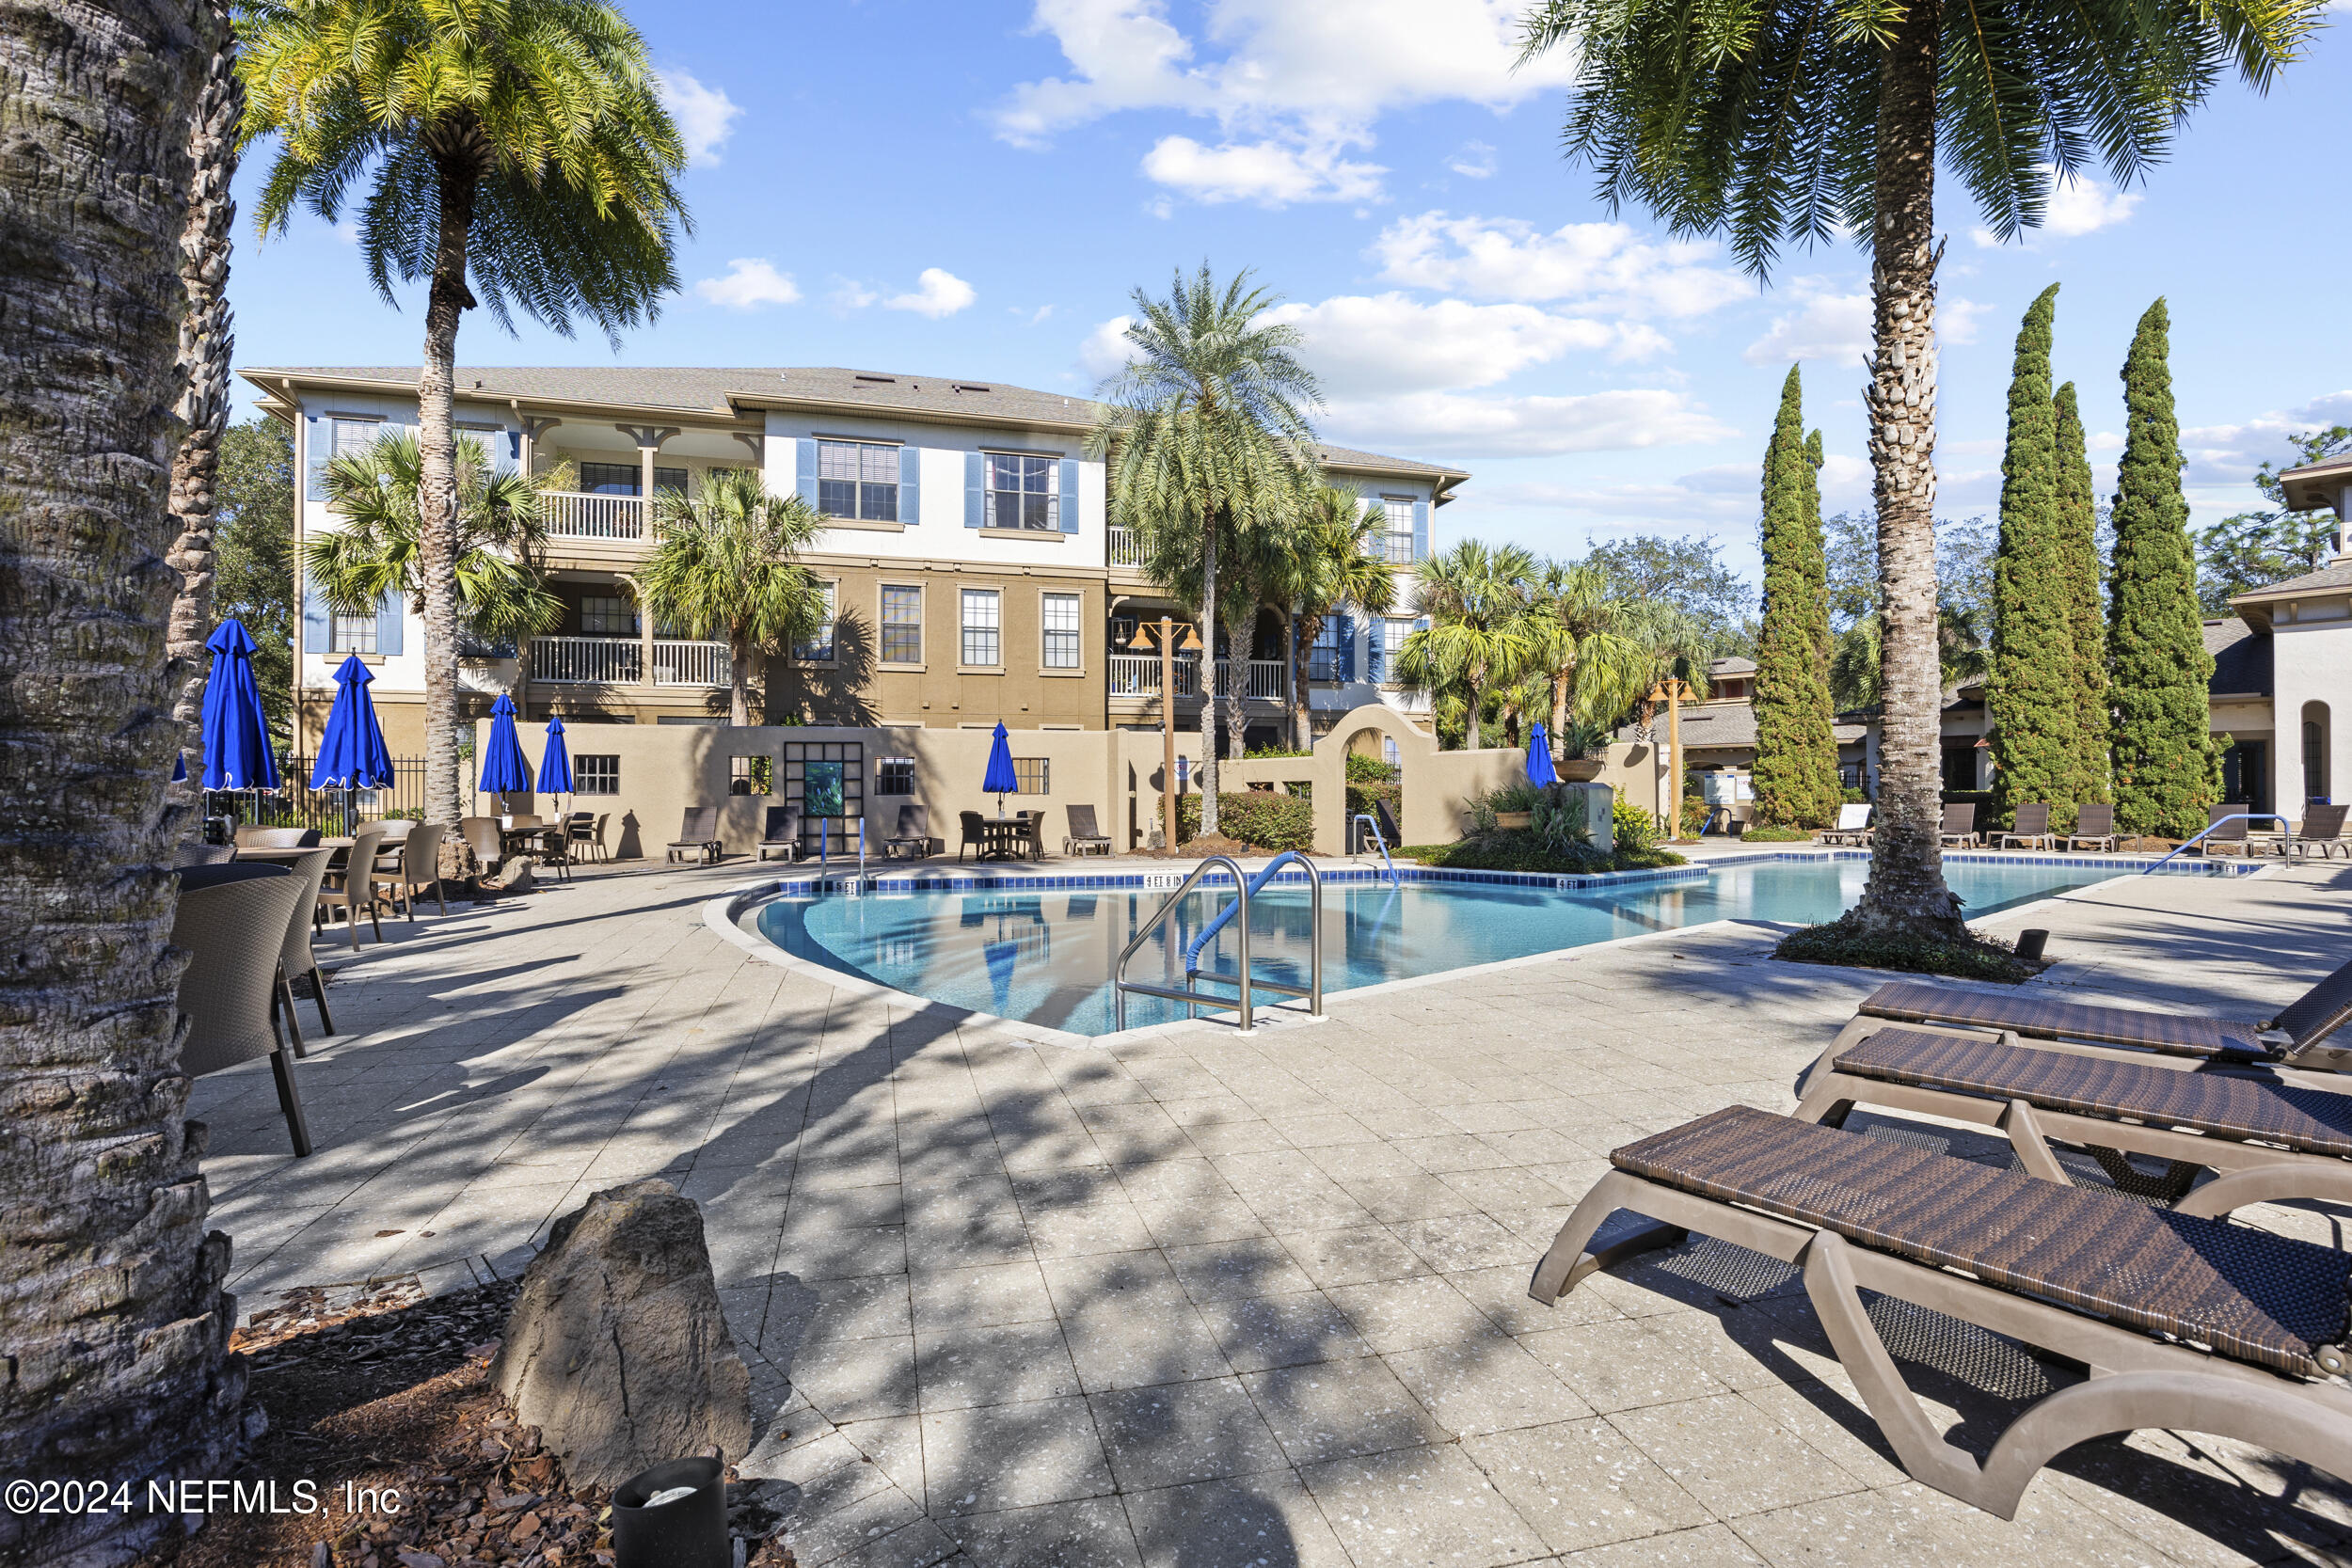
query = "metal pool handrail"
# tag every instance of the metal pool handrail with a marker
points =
(1243, 1005)
(2186, 845)
(1365, 817)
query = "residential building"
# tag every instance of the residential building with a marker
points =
(966, 554)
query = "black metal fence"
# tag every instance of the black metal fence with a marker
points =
(298, 805)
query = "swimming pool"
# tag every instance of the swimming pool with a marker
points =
(1044, 956)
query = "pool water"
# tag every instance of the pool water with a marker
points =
(1045, 956)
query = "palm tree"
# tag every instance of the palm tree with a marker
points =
(1479, 636)
(1208, 432)
(206, 348)
(518, 156)
(111, 1307)
(1583, 643)
(1675, 645)
(1337, 560)
(1789, 120)
(727, 564)
(501, 540)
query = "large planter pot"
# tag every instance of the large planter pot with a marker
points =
(1514, 819)
(1581, 769)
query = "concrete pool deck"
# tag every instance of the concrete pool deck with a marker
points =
(1191, 1299)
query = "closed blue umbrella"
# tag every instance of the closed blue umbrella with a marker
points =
(1001, 780)
(1539, 770)
(555, 762)
(236, 736)
(503, 770)
(351, 753)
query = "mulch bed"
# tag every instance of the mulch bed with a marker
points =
(380, 1387)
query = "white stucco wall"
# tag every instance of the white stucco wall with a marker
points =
(2311, 662)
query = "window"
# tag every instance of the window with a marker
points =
(352, 634)
(825, 778)
(1387, 645)
(982, 627)
(353, 437)
(607, 615)
(817, 647)
(857, 479)
(1323, 655)
(1033, 775)
(627, 479)
(901, 626)
(1061, 631)
(751, 775)
(894, 776)
(1022, 492)
(1400, 511)
(595, 773)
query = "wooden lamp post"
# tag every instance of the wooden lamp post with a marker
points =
(1673, 691)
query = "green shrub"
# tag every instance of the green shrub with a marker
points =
(1278, 752)
(1634, 829)
(1360, 798)
(1768, 834)
(1255, 816)
(1523, 849)
(1986, 958)
(1368, 770)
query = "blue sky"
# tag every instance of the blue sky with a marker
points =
(973, 190)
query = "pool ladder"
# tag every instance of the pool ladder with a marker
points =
(1243, 1004)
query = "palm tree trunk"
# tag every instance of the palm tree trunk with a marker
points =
(1559, 705)
(1238, 639)
(111, 1312)
(740, 681)
(436, 500)
(1906, 893)
(1477, 695)
(1294, 690)
(205, 347)
(1208, 684)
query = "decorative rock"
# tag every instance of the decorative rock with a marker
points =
(616, 1349)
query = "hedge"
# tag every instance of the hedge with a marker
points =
(1257, 816)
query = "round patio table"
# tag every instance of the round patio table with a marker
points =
(1004, 838)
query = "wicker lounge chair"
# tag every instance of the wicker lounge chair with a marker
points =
(2094, 828)
(2227, 837)
(233, 925)
(2321, 832)
(2031, 830)
(779, 839)
(698, 832)
(913, 831)
(297, 961)
(480, 835)
(1854, 826)
(191, 852)
(2084, 1275)
(1085, 837)
(2297, 1037)
(1960, 826)
(2273, 1141)
(277, 838)
(351, 886)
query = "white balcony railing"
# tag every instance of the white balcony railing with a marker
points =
(1268, 680)
(571, 514)
(621, 661)
(1138, 675)
(1126, 549)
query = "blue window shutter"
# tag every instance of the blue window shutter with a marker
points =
(805, 471)
(390, 616)
(1420, 530)
(910, 486)
(507, 451)
(974, 489)
(314, 620)
(1070, 495)
(317, 442)
(1347, 647)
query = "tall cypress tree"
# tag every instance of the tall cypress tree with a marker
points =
(2028, 687)
(1796, 749)
(2159, 671)
(2086, 607)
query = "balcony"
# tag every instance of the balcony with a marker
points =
(1139, 675)
(1126, 548)
(572, 515)
(621, 661)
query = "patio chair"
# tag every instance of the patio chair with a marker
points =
(1032, 833)
(277, 838)
(233, 927)
(2295, 1037)
(2094, 828)
(2226, 837)
(415, 867)
(1387, 821)
(580, 837)
(1739, 817)
(298, 959)
(974, 832)
(2187, 1322)
(191, 852)
(913, 829)
(480, 835)
(1086, 838)
(1959, 825)
(698, 832)
(2322, 832)
(350, 883)
(2031, 830)
(1853, 826)
(781, 837)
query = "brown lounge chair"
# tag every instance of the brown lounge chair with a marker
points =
(698, 831)
(2228, 837)
(912, 832)
(781, 838)
(2272, 1142)
(1085, 837)
(2322, 832)
(2031, 830)
(1960, 826)
(1854, 826)
(2085, 1275)
(232, 923)
(2296, 1035)
(2094, 828)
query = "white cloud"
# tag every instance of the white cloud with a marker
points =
(1957, 319)
(938, 292)
(751, 281)
(1824, 325)
(1031, 317)
(1271, 173)
(347, 230)
(1465, 426)
(1601, 262)
(1475, 160)
(2228, 455)
(706, 115)
(2076, 207)
(1389, 344)
(850, 294)
(1106, 348)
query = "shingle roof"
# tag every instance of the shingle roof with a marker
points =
(2241, 658)
(2334, 577)
(725, 393)
(1712, 725)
